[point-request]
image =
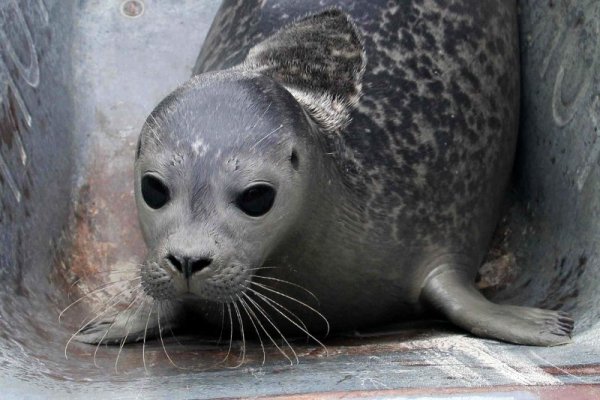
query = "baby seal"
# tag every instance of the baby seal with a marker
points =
(357, 155)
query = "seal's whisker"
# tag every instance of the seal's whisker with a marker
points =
(155, 135)
(170, 318)
(154, 119)
(85, 324)
(264, 314)
(175, 337)
(245, 307)
(303, 329)
(101, 273)
(142, 303)
(137, 264)
(243, 349)
(102, 287)
(265, 287)
(106, 304)
(267, 135)
(261, 268)
(289, 283)
(154, 132)
(71, 288)
(230, 334)
(265, 331)
(112, 324)
(124, 266)
(108, 272)
(261, 116)
(298, 319)
(222, 323)
(145, 334)
(161, 338)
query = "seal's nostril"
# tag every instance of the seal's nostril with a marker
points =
(188, 266)
(199, 264)
(176, 263)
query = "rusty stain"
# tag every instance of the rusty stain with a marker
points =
(105, 237)
(498, 273)
(132, 8)
(500, 268)
(87, 254)
(577, 370)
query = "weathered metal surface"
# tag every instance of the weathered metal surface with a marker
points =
(571, 392)
(76, 82)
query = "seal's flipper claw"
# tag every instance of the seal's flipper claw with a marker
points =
(450, 291)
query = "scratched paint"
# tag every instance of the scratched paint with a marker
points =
(13, 25)
(8, 82)
(14, 22)
(7, 174)
(594, 153)
(577, 67)
(462, 358)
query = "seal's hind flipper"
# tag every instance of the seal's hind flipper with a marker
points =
(449, 290)
(320, 59)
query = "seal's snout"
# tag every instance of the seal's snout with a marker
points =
(188, 266)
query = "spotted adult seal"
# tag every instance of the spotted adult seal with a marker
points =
(358, 151)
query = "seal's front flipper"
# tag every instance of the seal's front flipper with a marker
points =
(450, 290)
(131, 325)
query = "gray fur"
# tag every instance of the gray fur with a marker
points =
(388, 130)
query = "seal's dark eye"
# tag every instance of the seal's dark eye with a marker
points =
(257, 200)
(154, 192)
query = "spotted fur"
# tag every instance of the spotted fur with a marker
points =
(320, 59)
(430, 144)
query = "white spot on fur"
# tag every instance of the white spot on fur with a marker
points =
(199, 148)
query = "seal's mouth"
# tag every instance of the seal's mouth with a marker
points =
(219, 284)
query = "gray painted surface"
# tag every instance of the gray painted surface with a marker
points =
(76, 82)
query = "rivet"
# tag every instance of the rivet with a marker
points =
(132, 8)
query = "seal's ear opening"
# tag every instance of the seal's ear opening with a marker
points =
(294, 160)
(320, 60)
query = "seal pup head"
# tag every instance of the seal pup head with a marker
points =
(220, 173)
(228, 164)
